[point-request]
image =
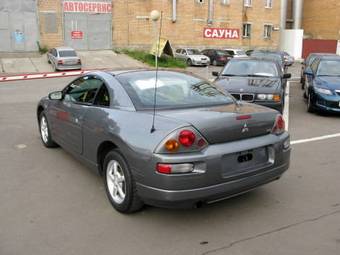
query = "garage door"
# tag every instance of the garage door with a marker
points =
(18, 25)
(87, 24)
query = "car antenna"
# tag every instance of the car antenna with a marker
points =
(153, 129)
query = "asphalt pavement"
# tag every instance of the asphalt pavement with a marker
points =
(52, 204)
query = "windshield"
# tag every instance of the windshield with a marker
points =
(174, 90)
(329, 68)
(221, 53)
(240, 52)
(67, 53)
(250, 68)
(193, 52)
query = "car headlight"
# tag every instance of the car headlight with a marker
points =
(269, 97)
(323, 91)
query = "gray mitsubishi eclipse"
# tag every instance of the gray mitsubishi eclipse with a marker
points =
(191, 144)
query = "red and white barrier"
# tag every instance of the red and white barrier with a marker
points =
(43, 75)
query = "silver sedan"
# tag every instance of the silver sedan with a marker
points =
(189, 144)
(63, 58)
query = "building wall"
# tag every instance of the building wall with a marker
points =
(132, 28)
(50, 23)
(321, 19)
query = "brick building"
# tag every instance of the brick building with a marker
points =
(106, 24)
(321, 19)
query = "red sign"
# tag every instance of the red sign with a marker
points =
(221, 33)
(77, 34)
(84, 6)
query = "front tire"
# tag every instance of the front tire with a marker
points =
(310, 104)
(119, 184)
(45, 133)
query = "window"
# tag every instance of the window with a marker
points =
(267, 32)
(103, 97)
(246, 30)
(174, 90)
(83, 90)
(269, 3)
(67, 53)
(247, 3)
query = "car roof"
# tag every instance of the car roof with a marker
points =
(64, 48)
(329, 57)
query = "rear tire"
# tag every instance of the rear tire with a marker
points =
(119, 183)
(45, 133)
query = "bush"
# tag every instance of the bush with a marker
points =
(163, 61)
(42, 49)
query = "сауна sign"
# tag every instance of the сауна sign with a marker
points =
(221, 33)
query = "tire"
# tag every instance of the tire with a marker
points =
(310, 106)
(302, 83)
(48, 61)
(45, 133)
(214, 62)
(119, 183)
(189, 62)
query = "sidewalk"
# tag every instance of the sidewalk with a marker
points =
(90, 60)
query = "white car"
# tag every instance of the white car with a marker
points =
(193, 57)
(236, 53)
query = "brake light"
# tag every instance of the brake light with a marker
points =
(279, 125)
(186, 138)
(163, 168)
(243, 117)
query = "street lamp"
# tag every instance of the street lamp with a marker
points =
(155, 15)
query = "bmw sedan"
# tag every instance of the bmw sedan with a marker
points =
(254, 80)
(322, 85)
(181, 144)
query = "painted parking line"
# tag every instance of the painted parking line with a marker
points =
(286, 106)
(313, 139)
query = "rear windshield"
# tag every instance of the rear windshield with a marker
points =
(250, 68)
(270, 56)
(174, 90)
(329, 68)
(67, 53)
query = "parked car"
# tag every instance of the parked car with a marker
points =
(322, 86)
(253, 80)
(236, 53)
(193, 57)
(217, 57)
(203, 146)
(309, 60)
(273, 55)
(63, 58)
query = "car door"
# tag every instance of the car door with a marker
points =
(310, 77)
(96, 122)
(69, 113)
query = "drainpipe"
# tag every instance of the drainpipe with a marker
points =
(174, 11)
(210, 11)
(283, 14)
(297, 13)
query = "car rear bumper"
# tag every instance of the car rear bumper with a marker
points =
(68, 67)
(210, 194)
(218, 178)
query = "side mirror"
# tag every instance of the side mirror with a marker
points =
(287, 76)
(57, 95)
(214, 73)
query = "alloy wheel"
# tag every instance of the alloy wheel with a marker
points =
(115, 180)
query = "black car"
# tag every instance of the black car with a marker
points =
(217, 57)
(254, 80)
(278, 56)
(309, 60)
(322, 85)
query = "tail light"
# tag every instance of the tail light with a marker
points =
(60, 62)
(174, 168)
(279, 125)
(182, 140)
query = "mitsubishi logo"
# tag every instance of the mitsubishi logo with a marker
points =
(245, 128)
